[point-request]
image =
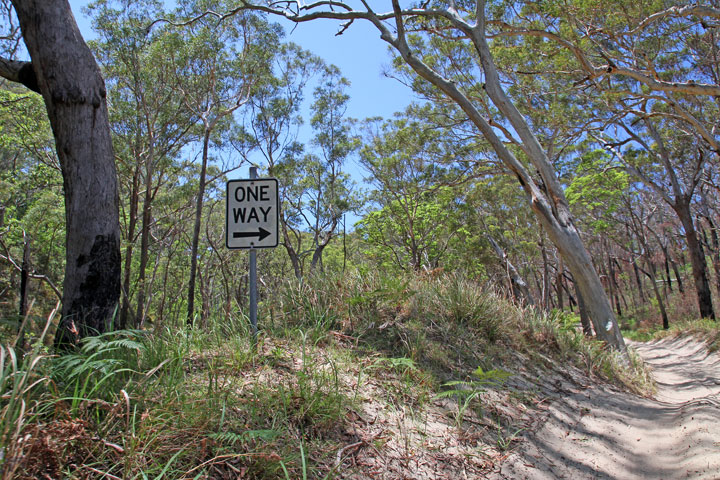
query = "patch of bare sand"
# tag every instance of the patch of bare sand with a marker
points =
(601, 432)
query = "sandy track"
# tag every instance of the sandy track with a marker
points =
(601, 432)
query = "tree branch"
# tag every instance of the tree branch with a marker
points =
(19, 72)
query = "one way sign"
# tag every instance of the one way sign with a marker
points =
(253, 210)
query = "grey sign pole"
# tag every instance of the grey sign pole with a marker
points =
(253, 278)
(252, 222)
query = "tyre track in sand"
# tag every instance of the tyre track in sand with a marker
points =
(601, 432)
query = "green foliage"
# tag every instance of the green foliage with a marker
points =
(21, 381)
(466, 391)
(599, 187)
(31, 202)
(103, 366)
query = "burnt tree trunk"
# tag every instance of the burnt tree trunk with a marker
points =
(24, 282)
(64, 71)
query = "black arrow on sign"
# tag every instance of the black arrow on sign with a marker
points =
(261, 234)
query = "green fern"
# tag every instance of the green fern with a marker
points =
(103, 365)
(232, 438)
(469, 390)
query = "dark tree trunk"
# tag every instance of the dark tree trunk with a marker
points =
(658, 295)
(24, 282)
(615, 289)
(290, 249)
(72, 86)
(127, 269)
(617, 285)
(715, 251)
(697, 260)
(546, 276)
(317, 258)
(639, 282)
(571, 298)
(668, 280)
(145, 238)
(196, 230)
(559, 283)
(678, 278)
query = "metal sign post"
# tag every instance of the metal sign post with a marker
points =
(252, 222)
(253, 278)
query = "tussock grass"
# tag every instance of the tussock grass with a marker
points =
(210, 403)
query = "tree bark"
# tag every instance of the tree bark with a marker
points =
(614, 288)
(678, 278)
(661, 304)
(697, 259)
(559, 283)
(715, 251)
(74, 92)
(24, 283)
(546, 276)
(545, 195)
(142, 287)
(519, 289)
(638, 281)
(130, 239)
(584, 317)
(196, 229)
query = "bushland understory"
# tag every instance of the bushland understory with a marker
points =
(354, 377)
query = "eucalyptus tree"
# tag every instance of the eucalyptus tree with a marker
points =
(321, 191)
(650, 76)
(327, 192)
(642, 218)
(273, 126)
(415, 168)
(62, 69)
(448, 45)
(497, 211)
(218, 66)
(672, 167)
(150, 123)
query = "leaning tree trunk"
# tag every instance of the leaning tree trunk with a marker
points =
(67, 76)
(546, 197)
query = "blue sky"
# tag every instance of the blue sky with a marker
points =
(359, 52)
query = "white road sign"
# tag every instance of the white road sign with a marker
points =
(253, 210)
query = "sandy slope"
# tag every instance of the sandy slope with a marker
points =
(600, 432)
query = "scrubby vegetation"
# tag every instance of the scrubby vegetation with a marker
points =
(332, 352)
(544, 189)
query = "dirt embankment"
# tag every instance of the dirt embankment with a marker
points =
(596, 431)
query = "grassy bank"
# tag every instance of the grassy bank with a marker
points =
(349, 377)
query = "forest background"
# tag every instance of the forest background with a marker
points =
(643, 196)
(621, 101)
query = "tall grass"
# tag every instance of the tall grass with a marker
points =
(22, 378)
(202, 403)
